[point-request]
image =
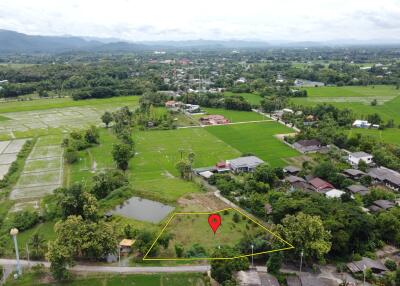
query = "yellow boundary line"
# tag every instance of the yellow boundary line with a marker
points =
(216, 258)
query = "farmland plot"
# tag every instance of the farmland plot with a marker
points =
(43, 170)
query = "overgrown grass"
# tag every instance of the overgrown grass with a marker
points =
(252, 98)
(234, 115)
(3, 118)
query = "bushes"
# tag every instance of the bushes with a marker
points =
(78, 141)
(391, 265)
(24, 220)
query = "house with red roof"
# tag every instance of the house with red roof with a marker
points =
(320, 185)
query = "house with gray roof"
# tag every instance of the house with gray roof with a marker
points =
(385, 176)
(382, 205)
(366, 263)
(353, 174)
(307, 146)
(358, 189)
(245, 164)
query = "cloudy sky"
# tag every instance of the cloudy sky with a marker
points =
(291, 20)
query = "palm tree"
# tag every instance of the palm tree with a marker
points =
(37, 245)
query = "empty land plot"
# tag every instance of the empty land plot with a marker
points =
(42, 172)
(234, 115)
(258, 139)
(51, 114)
(8, 154)
(153, 168)
(252, 98)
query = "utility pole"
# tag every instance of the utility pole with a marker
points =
(13, 233)
(27, 253)
(119, 255)
(364, 268)
(252, 256)
(301, 259)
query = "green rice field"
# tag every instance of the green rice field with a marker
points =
(257, 138)
(252, 98)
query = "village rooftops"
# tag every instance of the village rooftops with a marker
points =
(358, 189)
(320, 185)
(360, 154)
(366, 263)
(384, 204)
(389, 177)
(354, 173)
(293, 179)
(291, 170)
(305, 146)
(334, 194)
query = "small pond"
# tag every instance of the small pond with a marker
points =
(143, 209)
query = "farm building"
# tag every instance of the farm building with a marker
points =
(245, 164)
(305, 146)
(307, 83)
(213, 120)
(355, 158)
(385, 176)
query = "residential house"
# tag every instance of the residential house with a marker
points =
(245, 164)
(248, 278)
(366, 263)
(191, 108)
(306, 146)
(241, 80)
(299, 183)
(206, 174)
(355, 158)
(386, 177)
(292, 170)
(381, 205)
(320, 185)
(364, 124)
(358, 189)
(334, 194)
(353, 174)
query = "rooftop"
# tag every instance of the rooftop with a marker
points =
(320, 184)
(307, 143)
(360, 154)
(248, 161)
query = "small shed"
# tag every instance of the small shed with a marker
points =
(126, 245)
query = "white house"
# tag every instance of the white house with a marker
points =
(361, 124)
(334, 194)
(355, 158)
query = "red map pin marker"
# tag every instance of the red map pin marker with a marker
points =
(214, 220)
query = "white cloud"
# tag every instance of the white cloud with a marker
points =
(291, 20)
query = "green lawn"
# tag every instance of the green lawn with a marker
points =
(234, 115)
(252, 98)
(390, 135)
(3, 118)
(256, 138)
(42, 104)
(153, 169)
(175, 279)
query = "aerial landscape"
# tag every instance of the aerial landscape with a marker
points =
(154, 144)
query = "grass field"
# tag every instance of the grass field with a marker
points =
(357, 99)
(48, 103)
(390, 135)
(175, 279)
(256, 138)
(233, 115)
(3, 118)
(153, 168)
(252, 98)
(229, 233)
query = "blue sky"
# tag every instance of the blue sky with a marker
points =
(288, 20)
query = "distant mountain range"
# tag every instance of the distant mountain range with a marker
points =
(12, 42)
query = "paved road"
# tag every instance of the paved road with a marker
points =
(116, 269)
